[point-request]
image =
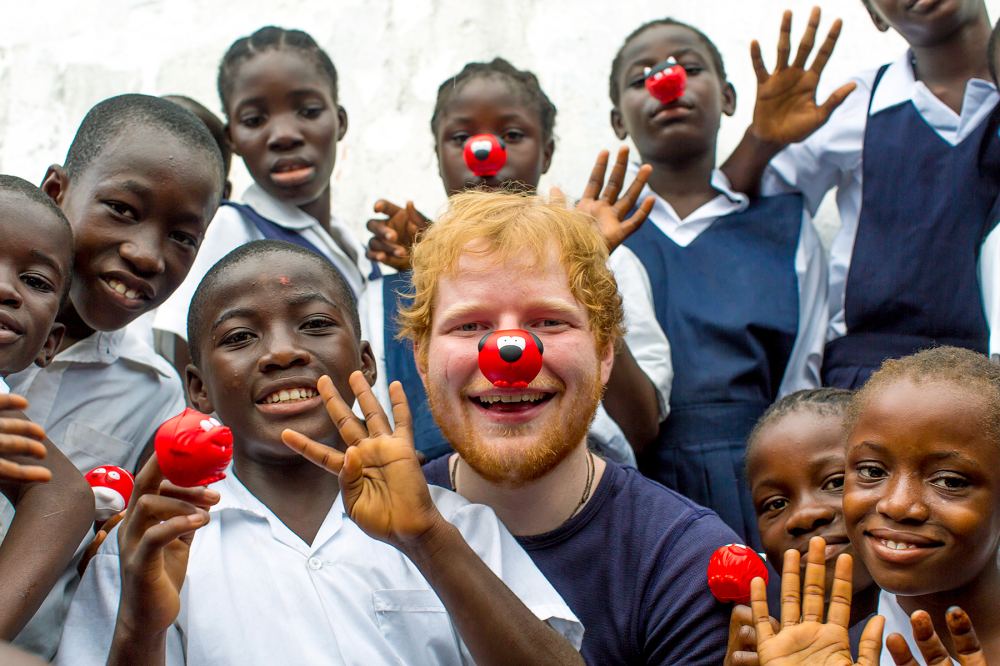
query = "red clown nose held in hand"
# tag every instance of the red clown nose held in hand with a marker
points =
(485, 154)
(730, 571)
(112, 488)
(193, 449)
(666, 81)
(510, 358)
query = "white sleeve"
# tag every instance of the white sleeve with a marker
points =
(226, 232)
(644, 337)
(487, 536)
(806, 360)
(828, 156)
(606, 437)
(371, 313)
(989, 280)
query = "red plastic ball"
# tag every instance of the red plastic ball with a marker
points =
(730, 571)
(112, 488)
(510, 358)
(485, 154)
(193, 449)
(667, 81)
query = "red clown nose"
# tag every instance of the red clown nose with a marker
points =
(666, 81)
(193, 449)
(510, 358)
(112, 488)
(485, 154)
(730, 571)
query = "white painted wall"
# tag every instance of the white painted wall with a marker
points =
(60, 57)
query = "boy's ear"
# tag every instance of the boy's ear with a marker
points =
(550, 149)
(196, 390)
(368, 367)
(617, 125)
(51, 346)
(728, 99)
(229, 139)
(56, 183)
(877, 19)
(342, 122)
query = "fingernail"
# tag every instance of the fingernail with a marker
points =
(212, 495)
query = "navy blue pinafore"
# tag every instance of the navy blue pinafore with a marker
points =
(925, 212)
(400, 366)
(729, 304)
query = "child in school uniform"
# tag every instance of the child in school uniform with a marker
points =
(279, 94)
(360, 576)
(497, 98)
(797, 502)
(914, 162)
(44, 510)
(140, 183)
(738, 285)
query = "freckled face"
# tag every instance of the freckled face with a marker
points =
(488, 105)
(273, 328)
(922, 488)
(795, 502)
(34, 268)
(512, 442)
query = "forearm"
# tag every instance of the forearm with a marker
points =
(631, 400)
(137, 648)
(745, 166)
(50, 522)
(495, 625)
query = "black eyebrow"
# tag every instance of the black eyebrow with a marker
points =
(48, 260)
(309, 297)
(135, 187)
(230, 314)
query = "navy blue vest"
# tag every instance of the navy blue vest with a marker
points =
(400, 366)
(925, 212)
(729, 303)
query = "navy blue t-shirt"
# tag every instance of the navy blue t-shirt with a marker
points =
(632, 566)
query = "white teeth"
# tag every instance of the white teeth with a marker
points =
(896, 545)
(288, 395)
(122, 289)
(522, 397)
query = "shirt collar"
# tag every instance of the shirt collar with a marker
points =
(102, 347)
(285, 215)
(899, 84)
(727, 202)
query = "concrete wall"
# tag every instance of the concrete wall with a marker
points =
(58, 58)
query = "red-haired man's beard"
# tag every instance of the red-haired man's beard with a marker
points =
(513, 455)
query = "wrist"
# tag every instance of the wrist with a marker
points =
(762, 145)
(432, 543)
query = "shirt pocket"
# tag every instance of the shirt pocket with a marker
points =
(88, 447)
(417, 626)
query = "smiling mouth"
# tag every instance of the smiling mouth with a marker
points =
(511, 402)
(285, 396)
(120, 287)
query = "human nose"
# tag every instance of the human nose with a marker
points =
(902, 500)
(9, 294)
(285, 132)
(283, 352)
(809, 517)
(144, 252)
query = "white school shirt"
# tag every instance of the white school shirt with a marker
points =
(3, 387)
(806, 359)
(102, 399)
(643, 335)
(229, 230)
(255, 593)
(831, 157)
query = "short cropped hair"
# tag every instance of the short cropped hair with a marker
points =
(109, 118)
(257, 251)
(821, 401)
(514, 225)
(18, 187)
(212, 122)
(963, 368)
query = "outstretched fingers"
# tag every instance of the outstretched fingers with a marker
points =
(596, 179)
(808, 39)
(814, 588)
(401, 412)
(351, 430)
(784, 41)
(963, 637)
(321, 455)
(627, 201)
(758, 608)
(790, 588)
(870, 645)
(826, 48)
(616, 179)
(839, 611)
(375, 418)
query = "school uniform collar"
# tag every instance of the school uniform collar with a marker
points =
(282, 214)
(237, 498)
(899, 84)
(107, 347)
(727, 202)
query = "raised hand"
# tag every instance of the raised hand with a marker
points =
(20, 438)
(393, 236)
(605, 206)
(155, 542)
(742, 647)
(963, 637)
(381, 482)
(803, 637)
(786, 110)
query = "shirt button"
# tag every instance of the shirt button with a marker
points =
(314, 563)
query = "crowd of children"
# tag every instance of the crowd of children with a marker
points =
(710, 373)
